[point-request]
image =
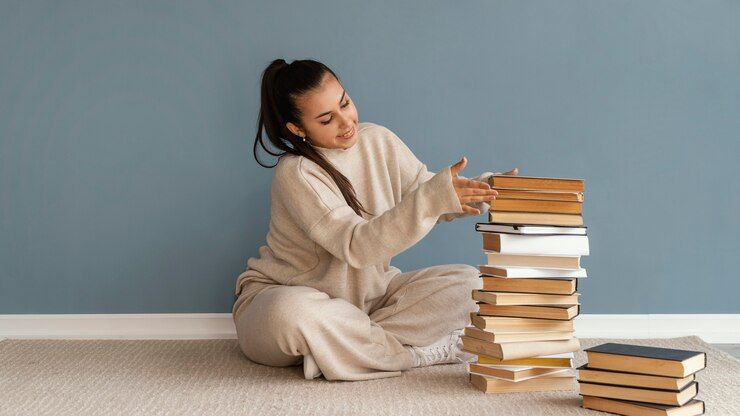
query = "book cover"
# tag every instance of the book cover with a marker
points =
(645, 352)
(504, 228)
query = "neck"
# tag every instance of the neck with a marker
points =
(333, 151)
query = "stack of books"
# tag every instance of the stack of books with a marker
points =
(523, 330)
(636, 380)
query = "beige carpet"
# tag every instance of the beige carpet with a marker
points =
(169, 377)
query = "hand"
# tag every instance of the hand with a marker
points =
(484, 206)
(469, 190)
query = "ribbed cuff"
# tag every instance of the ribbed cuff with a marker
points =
(442, 196)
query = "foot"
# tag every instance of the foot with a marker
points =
(444, 351)
(310, 368)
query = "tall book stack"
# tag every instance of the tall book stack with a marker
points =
(523, 331)
(636, 380)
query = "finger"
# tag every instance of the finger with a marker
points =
(470, 183)
(459, 166)
(459, 163)
(475, 191)
(477, 198)
(470, 210)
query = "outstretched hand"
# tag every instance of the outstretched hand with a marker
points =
(469, 190)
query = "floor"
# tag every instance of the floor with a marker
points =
(184, 377)
(732, 349)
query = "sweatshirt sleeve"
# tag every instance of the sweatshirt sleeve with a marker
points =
(414, 173)
(319, 209)
(482, 206)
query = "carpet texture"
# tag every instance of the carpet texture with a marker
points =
(174, 377)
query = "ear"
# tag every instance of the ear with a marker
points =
(295, 130)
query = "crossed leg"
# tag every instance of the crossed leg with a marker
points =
(284, 325)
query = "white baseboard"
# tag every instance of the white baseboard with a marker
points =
(713, 328)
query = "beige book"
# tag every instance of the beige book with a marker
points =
(640, 395)
(546, 286)
(535, 205)
(535, 218)
(553, 360)
(537, 183)
(503, 324)
(502, 338)
(496, 385)
(513, 350)
(559, 312)
(507, 298)
(515, 374)
(629, 408)
(510, 193)
(591, 375)
(521, 260)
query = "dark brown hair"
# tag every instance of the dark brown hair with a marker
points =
(282, 84)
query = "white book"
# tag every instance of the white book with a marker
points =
(529, 229)
(544, 245)
(520, 260)
(531, 272)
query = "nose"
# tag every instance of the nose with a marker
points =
(346, 122)
(345, 126)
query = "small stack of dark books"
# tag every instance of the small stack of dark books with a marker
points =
(635, 380)
(523, 330)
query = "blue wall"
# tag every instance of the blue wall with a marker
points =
(128, 183)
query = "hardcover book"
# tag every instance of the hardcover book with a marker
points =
(667, 397)
(537, 183)
(545, 286)
(645, 360)
(630, 408)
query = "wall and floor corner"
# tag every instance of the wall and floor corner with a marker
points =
(130, 200)
(712, 328)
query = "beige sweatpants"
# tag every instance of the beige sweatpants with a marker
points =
(289, 325)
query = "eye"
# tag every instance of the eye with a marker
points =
(329, 121)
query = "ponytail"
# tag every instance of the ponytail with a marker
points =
(282, 83)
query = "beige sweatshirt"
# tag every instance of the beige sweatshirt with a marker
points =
(315, 239)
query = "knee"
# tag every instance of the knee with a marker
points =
(467, 280)
(460, 280)
(296, 309)
(470, 281)
(470, 277)
(271, 328)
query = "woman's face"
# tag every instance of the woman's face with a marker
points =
(327, 113)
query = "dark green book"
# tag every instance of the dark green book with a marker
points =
(646, 360)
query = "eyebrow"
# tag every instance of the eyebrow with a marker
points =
(340, 101)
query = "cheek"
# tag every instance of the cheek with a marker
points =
(325, 134)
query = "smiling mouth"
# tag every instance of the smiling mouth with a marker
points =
(348, 134)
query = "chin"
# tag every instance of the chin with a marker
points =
(347, 145)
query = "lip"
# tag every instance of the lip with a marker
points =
(348, 137)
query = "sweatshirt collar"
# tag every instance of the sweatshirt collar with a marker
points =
(336, 152)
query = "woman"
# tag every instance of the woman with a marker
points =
(346, 197)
